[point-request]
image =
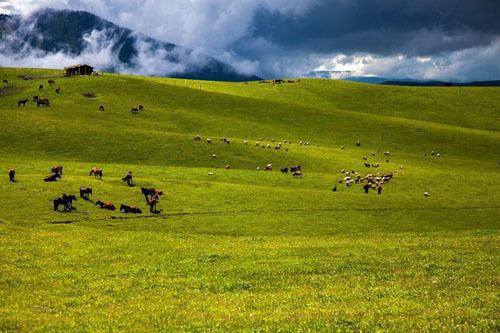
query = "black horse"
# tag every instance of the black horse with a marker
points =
(85, 192)
(40, 87)
(66, 201)
(22, 102)
(52, 178)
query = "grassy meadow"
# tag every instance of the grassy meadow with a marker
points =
(248, 250)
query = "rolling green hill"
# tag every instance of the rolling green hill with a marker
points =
(246, 250)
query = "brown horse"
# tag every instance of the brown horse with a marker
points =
(52, 178)
(43, 101)
(97, 172)
(105, 205)
(152, 204)
(130, 209)
(12, 175)
(85, 192)
(57, 169)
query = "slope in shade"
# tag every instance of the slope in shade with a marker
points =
(51, 38)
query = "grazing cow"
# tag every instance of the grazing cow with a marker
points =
(57, 169)
(5, 81)
(128, 178)
(52, 178)
(141, 107)
(258, 168)
(366, 187)
(197, 138)
(295, 168)
(438, 155)
(214, 156)
(364, 158)
(342, 147)
(51, 82)
(105, 205)
(379, 189)
(426, 194)
(297, 174)
(85, 192)
(58, 90)
(43, 101)
(387, 153)
(97, 172)
(334, 189)
(227, 167)
(269, 167)
(261, 139)
(228, 142)
(35, 99)
(211, 174)
(101, 108)
(284, 170)
(268, 145)
(22, 102)
(40, 87)
(134, 110)
(367, 165)
(130, 209)
(358, 143)
(209, 141)
(245, 142)
(12, 175)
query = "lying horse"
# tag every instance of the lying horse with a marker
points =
(105, 205)
(22, 102)
(85, 192)
(12, 175)
(96, 172)
(52, 178)
(130, 209)
(57, 169)
(43, 101)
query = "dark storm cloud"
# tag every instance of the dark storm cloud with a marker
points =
(414, 28)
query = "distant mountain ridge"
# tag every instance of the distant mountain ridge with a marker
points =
(80, 34)
(347, 76)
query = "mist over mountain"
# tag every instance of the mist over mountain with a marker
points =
(57, 38)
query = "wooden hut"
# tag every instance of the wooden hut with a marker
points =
(79, 70)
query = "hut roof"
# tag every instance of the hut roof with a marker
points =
(77, 66)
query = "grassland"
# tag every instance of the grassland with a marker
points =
(245, 250)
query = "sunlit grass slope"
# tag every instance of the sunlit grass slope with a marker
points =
(245, 249)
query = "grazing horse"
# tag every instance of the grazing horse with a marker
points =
(35, 98)
(101, 108)
(23, 102)
(152, 204)
(128, 178)
(85, 192)
(51, 82)
(68, 201)
(97, 172)
(295, 168)
(134, 110)
(284, 170)
(148, 191)
(57, 169)
(130, 209)
(57, 203)
(40, 87)
(43, 101)
(58, 90)
(12, 175)
(52, 178)
(105, 205)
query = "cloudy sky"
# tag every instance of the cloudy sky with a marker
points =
(424, 39)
